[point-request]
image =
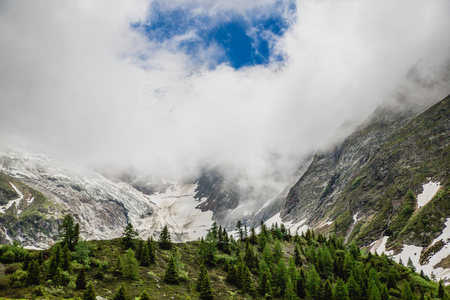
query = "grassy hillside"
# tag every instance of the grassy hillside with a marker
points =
(272, 264)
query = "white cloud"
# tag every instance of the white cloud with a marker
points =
(72, 81)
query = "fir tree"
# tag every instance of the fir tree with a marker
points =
(151, 250)
(81, 280)
(171, 275)
(65, 258)
(144, 296)
(441, 290)
(129, 265)
(145, 256)
(204, 285)
(121, 294)
(340, 290)
(89, 293)
(290, 292)
(128, 235)
(265, 288)
(165, 241)
(69, 232)
(407, 294)
(327, 291)
(33, 273)
(313, 284)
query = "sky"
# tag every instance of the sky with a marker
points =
(170, 87)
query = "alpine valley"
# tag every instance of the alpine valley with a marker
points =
(385, 187)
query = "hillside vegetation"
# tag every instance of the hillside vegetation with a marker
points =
(270, 265)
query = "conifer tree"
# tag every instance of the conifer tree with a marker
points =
(55, 261)
(226, 242)
(145, 256)
(290, 292)
(121, 294)
(327, 291)
(69, 232)
(89, 293)
(277, 251)
(232, 276)
(410, 264)
(58, 277)
(128, 235)
(253, 238)
(354, 250)
(372, 290)
(340, 290)
(441, 290)
(165, 241)
(301, 284)
(214, 230)
(204, 285)
(247, 283)
(65, 258)
(171, 275)
(40, 258)
(297, 257)
(81, 280)
(208, 250)
(138, 251)
(281, 278)
(151, 250)
(250, 258)
(129, 265)
(384, 293)
(26, 261)
(407, 294)
(313, 284)
(33, 273)
(239, 230)
(265, 288)
(354, 290)
(144, 296)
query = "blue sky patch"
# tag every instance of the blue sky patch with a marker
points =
(242, 40)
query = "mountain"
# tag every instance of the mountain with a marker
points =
(367, 188)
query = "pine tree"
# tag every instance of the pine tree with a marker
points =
(407, 294)
(89, 293)
(33, 273)
(290, 292)
(327, 291)
(441, 291)
(65, 258)
(81, 280)
(130, 265)
(340, 290)
(121, 294)
(145, 256)
(128, 235)
(281, 279)
(151, 250)
(165, 241)
(265, 288)
(144, 296)
(354, 290)
(69, 232)
(313, 284)
(204, 285)
(171, 275)
(247, 283)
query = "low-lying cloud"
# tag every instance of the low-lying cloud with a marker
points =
(77, 79)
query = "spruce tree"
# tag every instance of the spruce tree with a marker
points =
(297, 257)
(327, 291)
(372, 290)
(340, 290)
(151, 250)
(171, 275)
(281, 278)
(33, 273)
(165, 241)
(407, 293)
(89, 293)
(410, 264)
(265, 288)
(26, 261)
(290, 292)
(354, 290)
(144, 296)
(441, 290)
(384, 293)
(121, 294)
(247, 283)
(54, 261)
(130, 265)
(69, 232)
(204, 285)
(145, 256)
(301, 284)
(81, 280)
(313, 284)
(128, 235)
(250, 258)
(65, 258)
(239, 230)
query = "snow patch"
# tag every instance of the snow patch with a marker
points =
(445, 235)
(379, 246)
(294, 227)
(4, 208)
(324, 223)
(429, 190)
(7, 236)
